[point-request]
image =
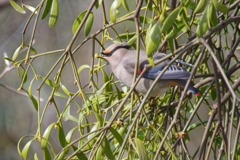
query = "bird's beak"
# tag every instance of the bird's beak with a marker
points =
(101, 55)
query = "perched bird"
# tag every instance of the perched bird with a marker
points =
(122, 62)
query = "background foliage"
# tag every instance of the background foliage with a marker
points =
(80, 111)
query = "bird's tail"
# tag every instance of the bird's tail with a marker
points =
(182, 83)
(194, 90)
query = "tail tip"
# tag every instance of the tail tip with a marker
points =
(198, 94)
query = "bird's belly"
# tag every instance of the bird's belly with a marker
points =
(144, 84)
(161, 87)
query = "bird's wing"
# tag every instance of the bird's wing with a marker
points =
(173, 72)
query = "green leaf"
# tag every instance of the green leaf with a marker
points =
(88, 25)
(8, 59)
(33, 50)
(110, 100)
(96, 4)
(15, 55)
(222, 8)
(213, 93)
(150, 5)
(108, 87)
(61, 136)
(47, 155)
(66, 113)
(69, 135)
(46, 9)
(141, 150)
(17, 7)
(185, 18)
(210, 12)
(35, 156)
(34, 101)
(82, 67)
(119, 94)
(147, 20)
(107, 149)
(81, 156)
(126, 35)
(100, 154)
(46, 135)
(32, 9)
(113, 10)
(170, 45)
(191, 5)
(122, 131)
(132, 40)
(170, 19)
(201, 6)
(196, 124)
(173, 33)
(53, 14)
(60, 95)
(125, 5)
(153, 39)
(117, 136)
(95, 127)
(202, 25)
(65, 90)
(23, 80)
(50, 82)
(26, 149)
(77, 21)
(61, 156)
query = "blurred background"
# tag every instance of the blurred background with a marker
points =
(17, 114)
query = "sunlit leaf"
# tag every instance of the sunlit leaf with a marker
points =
(32, 9)
(141, 150)
(26, 149)
(60, 95)
(125, 5)
(117, 136)
(170, 19)
(153, 39)
(88, 25)
(113, 10)
(35, 103)
(46, 135)
(221, 7)
(24, 79)
(201, 6)
(17, 7)
(35, 156)
(15, 55)
(33, 50)
(202, 26)
(47, 8)
(69, 135)
(53, 14)
(77, 21)
(50, 82)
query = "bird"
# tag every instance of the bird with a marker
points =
(122, 62)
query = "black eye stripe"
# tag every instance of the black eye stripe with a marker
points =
(118, 47)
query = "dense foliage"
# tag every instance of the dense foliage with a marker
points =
(127, 124)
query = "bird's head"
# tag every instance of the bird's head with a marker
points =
(106, 55)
